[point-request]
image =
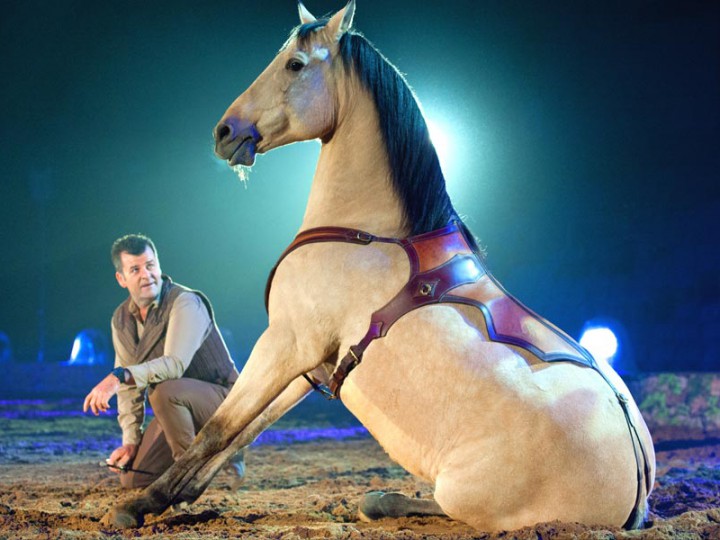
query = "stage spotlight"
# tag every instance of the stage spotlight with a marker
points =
(89, 348)
(607, 340)
(441, 141)
(601, 342)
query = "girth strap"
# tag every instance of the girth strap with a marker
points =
(638, 450)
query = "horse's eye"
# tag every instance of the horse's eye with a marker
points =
(294, 65)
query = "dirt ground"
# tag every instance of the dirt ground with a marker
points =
(303, 481)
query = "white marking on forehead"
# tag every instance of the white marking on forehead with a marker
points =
(321, 53)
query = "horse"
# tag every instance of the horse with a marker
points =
(385, 301)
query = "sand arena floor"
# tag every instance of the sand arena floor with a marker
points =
(304, 479)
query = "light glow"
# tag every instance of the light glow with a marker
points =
(441, 141)
(601, 342)
(90, 347)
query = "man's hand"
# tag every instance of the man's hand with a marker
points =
(98, 400)
(122, 456)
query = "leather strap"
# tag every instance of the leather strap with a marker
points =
(322, 234)
(440, 261)
(432, 285)
(422, 289)
(353, 236)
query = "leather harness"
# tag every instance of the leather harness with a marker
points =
(446, 267)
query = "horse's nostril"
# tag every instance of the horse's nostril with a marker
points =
(222, 132)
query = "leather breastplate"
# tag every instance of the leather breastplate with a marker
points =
(445, 267)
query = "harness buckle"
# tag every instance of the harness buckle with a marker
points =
(364, 237)
(355, 360)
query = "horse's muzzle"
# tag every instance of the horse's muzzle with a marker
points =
(236, 141)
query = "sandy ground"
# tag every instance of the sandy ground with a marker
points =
(51, 486)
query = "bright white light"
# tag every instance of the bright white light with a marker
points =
(600, 341)
(89, 347)
(441, 142)
(75, 353)
(83, 350)
(448, 133)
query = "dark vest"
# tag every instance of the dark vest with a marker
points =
(211, 363)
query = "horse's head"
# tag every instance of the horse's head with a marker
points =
(293, 99)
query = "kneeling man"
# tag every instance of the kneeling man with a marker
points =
(169, 350)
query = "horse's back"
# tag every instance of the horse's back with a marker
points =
(499, 433)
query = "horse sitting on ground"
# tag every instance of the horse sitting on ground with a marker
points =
(384, 301)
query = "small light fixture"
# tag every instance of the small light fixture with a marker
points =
(89, 348)
(601, 342)
(606, 340)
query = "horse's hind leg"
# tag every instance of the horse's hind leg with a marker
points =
(376, 505)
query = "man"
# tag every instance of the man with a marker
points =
(168, 346)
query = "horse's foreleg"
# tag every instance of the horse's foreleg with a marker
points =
(174, 486)
(291, 396)
(154, 499)
(238, 420)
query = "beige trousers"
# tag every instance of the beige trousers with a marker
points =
(181, 407)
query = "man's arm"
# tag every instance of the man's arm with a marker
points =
(188, 327)
(130, 401)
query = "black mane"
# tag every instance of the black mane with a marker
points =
(416, 174)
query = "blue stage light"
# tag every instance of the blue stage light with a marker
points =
(606, 339)
(89, 348)
(601, 342)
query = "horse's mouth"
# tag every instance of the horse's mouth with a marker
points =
(244, 153)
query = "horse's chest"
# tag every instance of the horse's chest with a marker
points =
(340, 281)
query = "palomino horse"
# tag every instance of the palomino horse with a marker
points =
(384, 298)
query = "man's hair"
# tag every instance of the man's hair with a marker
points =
(134, 244)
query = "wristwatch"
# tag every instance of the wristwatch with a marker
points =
(119, 372)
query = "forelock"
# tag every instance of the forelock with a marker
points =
(306, 32)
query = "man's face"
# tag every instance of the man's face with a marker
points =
(140, 275)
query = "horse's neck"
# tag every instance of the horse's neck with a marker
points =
(352, 186)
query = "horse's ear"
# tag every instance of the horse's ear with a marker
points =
(305, 16)
(341, 22)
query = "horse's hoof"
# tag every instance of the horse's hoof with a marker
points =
(121, 518)
(378, 504)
